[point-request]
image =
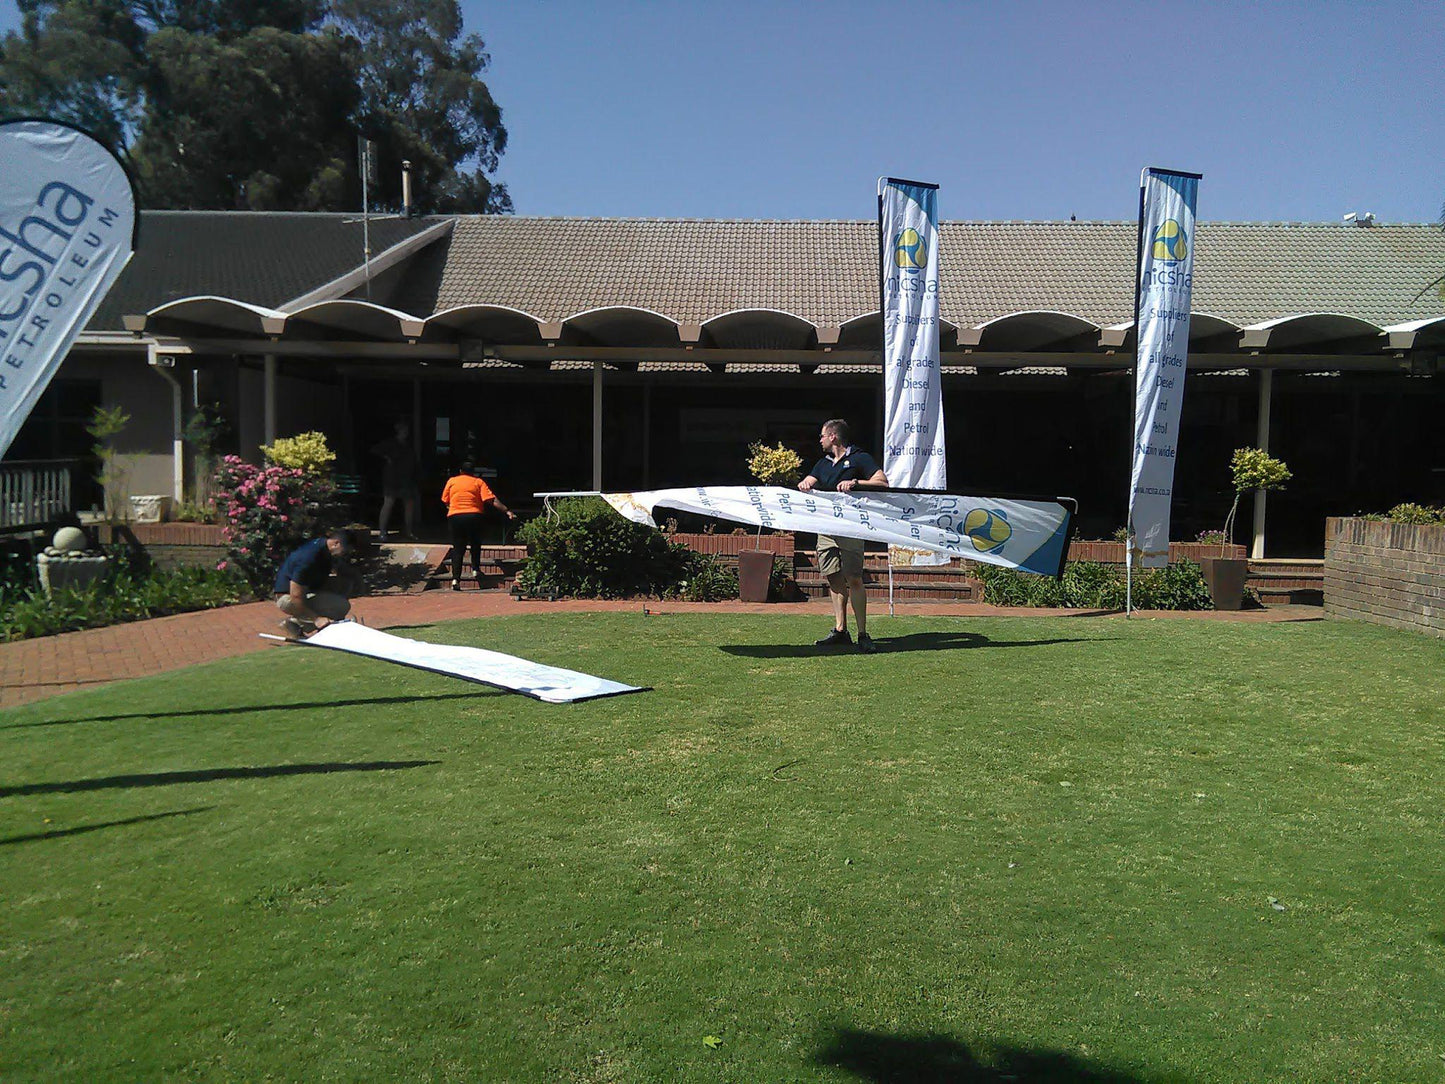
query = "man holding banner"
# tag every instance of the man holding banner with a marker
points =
(843, 469)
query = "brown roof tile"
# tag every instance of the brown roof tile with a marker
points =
(823, 271)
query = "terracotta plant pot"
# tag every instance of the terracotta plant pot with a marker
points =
(755, 570)
(1225, 578)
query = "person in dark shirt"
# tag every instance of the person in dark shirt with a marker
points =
(842, 469)
(308, 591)
(398, 478)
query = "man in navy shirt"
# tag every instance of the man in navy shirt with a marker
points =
(307, 592)
(842, 469)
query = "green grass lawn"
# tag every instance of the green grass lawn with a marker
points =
(1012, 849)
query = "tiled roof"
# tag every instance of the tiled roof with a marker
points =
(823, 271)
(264, 258)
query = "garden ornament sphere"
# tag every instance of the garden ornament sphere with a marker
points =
(69, 540)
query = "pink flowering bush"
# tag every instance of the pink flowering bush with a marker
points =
(267, 512)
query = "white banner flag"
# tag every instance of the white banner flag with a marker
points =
(913, 455)
(67, 226)
(550, 684)
(1024, 533)
(1166, 276)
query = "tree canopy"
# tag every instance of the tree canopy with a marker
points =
(259, 104)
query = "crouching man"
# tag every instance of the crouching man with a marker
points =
(308, 590)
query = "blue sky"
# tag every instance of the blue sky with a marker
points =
(1292, 111)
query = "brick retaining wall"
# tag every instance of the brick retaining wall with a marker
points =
(172, 545)
(1386, 573)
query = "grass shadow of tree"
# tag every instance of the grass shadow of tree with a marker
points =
(207, 775)
(244, 709)
(939, 1059)
(80, 830)
(915, 641)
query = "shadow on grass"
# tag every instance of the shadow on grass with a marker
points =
(914, 641)
(207, 775)
(937, 1059)
(245, 708)
(60, 833)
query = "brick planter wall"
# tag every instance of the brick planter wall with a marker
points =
(1112, 553)
(171, 545)
(728, 546)
(1386, 573)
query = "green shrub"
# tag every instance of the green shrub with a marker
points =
(586, 550)
(122, 595)
(1410, 512)
(1088, 585)
(707, 581)
(306, 452)
(1179, 586)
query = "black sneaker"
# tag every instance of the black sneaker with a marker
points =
(836, 638)
(866, 646)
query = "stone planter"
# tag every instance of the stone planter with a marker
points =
(1225, 577)
(150, 508)
(755, 571)
(58, 571)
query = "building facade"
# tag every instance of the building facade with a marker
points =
(574, 354)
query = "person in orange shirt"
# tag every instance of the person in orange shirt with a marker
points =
(466, 497)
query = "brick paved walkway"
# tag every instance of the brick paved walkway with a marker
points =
(34, 669)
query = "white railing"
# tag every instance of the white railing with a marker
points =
(34, 492)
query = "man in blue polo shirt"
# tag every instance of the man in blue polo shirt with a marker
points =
(307, 592)
(842, 469)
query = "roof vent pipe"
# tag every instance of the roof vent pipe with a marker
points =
(406, 188)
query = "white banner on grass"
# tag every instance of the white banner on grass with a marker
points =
(547, 683)
(1166, 278)
(1027, 534)
(67, 223)
(913, 449)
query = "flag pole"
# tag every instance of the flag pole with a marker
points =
(1134, 414)
(883, 359)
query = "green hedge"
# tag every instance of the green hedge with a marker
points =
(1410, 512)
(1088, 585)
(126, 594)
(586, 550)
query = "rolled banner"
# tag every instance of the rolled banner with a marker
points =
(1027, 533)
(67, 230)
(1161, 317)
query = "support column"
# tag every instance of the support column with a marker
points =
(597, 425)
(1261, 440)
(416, 420)
(269, 398)
(647, 436)
(162, 365)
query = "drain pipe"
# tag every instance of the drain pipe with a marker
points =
(161, 365)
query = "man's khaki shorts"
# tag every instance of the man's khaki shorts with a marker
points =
(837, 555)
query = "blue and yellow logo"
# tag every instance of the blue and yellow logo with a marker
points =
(988, 529)
(1171, 243)
(909, 251)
